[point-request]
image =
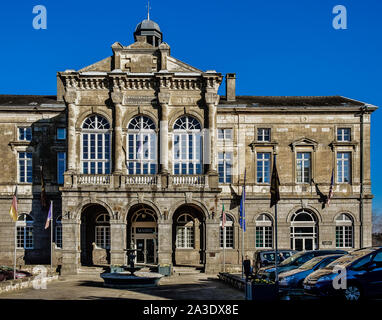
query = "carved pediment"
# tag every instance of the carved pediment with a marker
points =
(304, 142)
(175, 65)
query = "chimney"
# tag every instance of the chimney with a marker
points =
(230, 86)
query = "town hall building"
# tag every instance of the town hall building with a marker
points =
(140, 151)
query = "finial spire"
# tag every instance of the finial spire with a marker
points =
(148, 10)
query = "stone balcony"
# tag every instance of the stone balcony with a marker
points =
(139, 181)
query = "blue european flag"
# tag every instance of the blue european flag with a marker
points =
(242, 206)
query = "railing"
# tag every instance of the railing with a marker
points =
(188, 180)
(94, 179)
(143, 179)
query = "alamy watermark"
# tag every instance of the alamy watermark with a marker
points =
(40, 21)
(340, 20)
(39, 282)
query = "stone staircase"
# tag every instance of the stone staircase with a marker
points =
(90, 271)
(186, 270)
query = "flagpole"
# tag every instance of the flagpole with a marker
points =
(51, 237)
(276, 242)
(15, 253)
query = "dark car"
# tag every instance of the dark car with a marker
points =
(263, 258)
(293, 262)
(363, 276)
(291, 282)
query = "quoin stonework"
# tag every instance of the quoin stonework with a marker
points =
(140, 151)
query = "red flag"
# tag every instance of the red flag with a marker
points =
(224, 218)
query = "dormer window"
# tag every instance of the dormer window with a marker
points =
(343, 134)
(263, 134)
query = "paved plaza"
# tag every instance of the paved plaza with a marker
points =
(90, 287)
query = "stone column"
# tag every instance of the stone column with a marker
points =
(117, 242)
(70, 245)
(212, 246)
(164, 99)
(165, 242)
(211, 100)
(70, 99)
(117, 98)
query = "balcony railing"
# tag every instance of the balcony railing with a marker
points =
(94, 179)
(143, 179)
(119, 181)
(188, 180)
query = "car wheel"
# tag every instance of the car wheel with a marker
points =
(352, 293)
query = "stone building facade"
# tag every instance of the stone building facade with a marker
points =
(140, 151)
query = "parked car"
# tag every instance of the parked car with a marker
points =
(363, 276)
(291, 282)
(293, 262)
(263, 258)
(7, 273)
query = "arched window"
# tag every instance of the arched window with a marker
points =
(103, 231)
(344, 231)
(95, 156)
(142, 144)
(303, 231)
(58, 232)
(185, 232)
(264, 232)
(25, 231)
(188, 144)
(227, 233)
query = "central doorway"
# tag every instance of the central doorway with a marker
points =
(143, 233)
(303, 231)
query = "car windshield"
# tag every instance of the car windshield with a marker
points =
(311, 263)
(292, 258)
(348, 259)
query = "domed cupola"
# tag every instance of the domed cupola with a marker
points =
(150, 30)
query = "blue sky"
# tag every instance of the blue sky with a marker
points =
(275, 47)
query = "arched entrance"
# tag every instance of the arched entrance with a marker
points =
(303, 231)
(188, 234)
(142, 234)
(95, 235)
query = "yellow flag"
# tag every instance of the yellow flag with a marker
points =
(13, 209)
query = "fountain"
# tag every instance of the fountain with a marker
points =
(128, 278)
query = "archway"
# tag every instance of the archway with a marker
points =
(95, 235)
(303, 231)
(142, 234)
(188, 234)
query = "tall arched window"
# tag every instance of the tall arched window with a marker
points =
(96, 143)
(227, 232)
(142, 151)
(185, 232)
(103, 231)
(58, 232)
(25, 231)
(264, 232)
(303, 231)
(188, 144)
(344, 231)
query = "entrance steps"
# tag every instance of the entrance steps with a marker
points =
(96, 270)
(186, 270)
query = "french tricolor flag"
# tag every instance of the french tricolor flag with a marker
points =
(49, 218)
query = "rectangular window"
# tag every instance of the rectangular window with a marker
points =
(344, 236)
(303, 167)
(343, 134)
(343, 167)
(225, 167)
(264, 237)
(228, 237)
(59, 235)
(263, 135)
(25, 134)
(61, 133)
(25, 167)
(61, 166)
(263, 166)
(185, 237)
(103, 237)
(225, 134)
(25, 237)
